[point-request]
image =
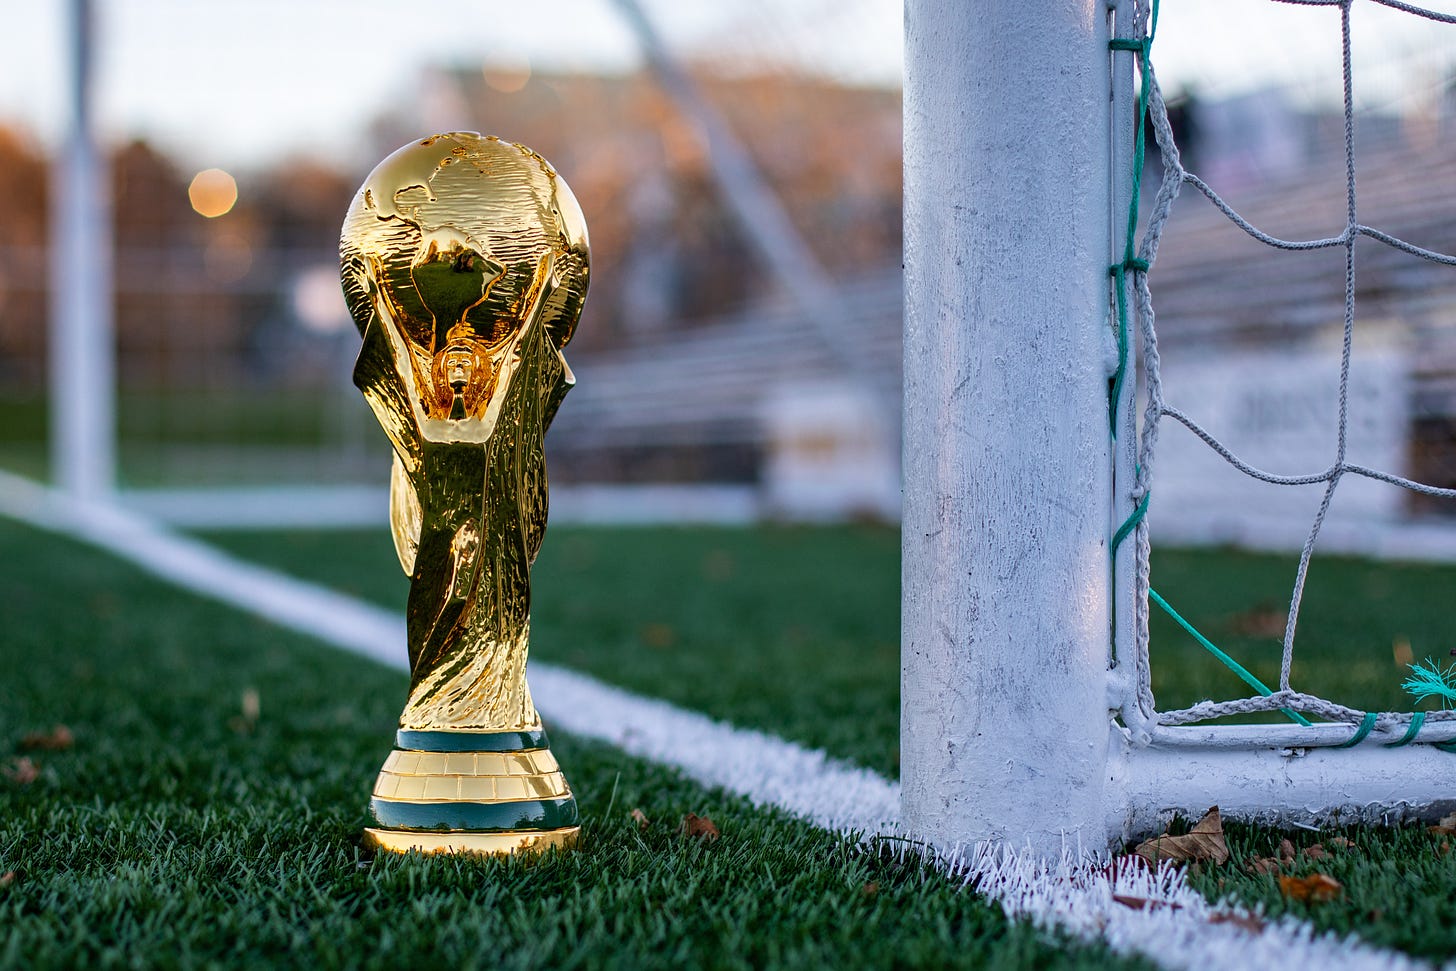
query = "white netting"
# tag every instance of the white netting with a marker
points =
(1132, 275)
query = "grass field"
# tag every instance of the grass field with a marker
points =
(222, 436)
(177, 831)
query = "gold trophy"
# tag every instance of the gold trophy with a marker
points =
(464, 262)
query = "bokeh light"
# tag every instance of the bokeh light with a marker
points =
(507, 78)
(318, 302)
(213, 193)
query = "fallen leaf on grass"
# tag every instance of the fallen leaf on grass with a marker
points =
(718, 566)
(1315, 852)
(1265, 620)
(1203, 842)
(1400, 651)
(658, 636)
(640, 818)
(1315, 888)
(700, 826)
(1144, 903)
(870, 890)
(57, 739)
(1286, 851)
(21, 771)
(1339, 842)
(7, 878)
(251, 706)
(1262, 865)
(1248, 922)
(1447, 821)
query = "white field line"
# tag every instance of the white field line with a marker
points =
(1177, 928)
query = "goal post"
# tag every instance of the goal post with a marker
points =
(1027, 712)
(1007, 460)
(82, 354)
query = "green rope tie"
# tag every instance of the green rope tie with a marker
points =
(1129, 255)
(1228, 662)
(1119, 270)
(1131, 522)
(1411, 731)
(1366, 724)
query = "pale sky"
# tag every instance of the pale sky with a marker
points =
(238, 83)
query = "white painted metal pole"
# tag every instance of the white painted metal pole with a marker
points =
(1007, 457)
(82, 351)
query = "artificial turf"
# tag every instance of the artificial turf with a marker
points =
(793, 630)
(208, 814)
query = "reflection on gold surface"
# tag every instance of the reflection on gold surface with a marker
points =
(487, 844)
(465, 265)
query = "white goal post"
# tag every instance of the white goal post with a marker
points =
(1020, 714)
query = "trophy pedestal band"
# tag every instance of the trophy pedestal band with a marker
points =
(472, 792)
(490, 844)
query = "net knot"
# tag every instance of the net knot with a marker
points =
(1131, 263)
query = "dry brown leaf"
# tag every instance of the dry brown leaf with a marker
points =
(640, 818)
(1339, 842)
(1143, 903)
(700, 826)
(21, 771)
(1315, 852)
(870, 890)
(1441, 830)
(660, 636)
(250, 706)
(57, 739)
(1265, 621)
(1286, 851)
(718, 566)
(1400, 651)
(1315, 888)
(1448, 821)
(1263, 864)
(7, 878)
(1203, 842)
(1248, 922)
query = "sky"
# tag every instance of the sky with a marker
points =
(224, 81)
(234, 84)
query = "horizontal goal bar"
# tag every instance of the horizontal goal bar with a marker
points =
(1292, 786)
(1281, 736)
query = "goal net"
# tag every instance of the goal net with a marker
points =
(1148, 413)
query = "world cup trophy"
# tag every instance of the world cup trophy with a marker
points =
(465, 263)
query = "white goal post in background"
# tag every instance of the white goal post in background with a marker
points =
(1020, 716)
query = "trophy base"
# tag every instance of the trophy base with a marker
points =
(485, 844)
(472, 792)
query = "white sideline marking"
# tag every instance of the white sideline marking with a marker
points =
(1073, 894)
